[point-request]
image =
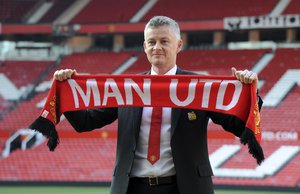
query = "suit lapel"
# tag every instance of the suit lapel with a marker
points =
(175, 113)
(137, 117)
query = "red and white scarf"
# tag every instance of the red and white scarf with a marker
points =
(210, 93)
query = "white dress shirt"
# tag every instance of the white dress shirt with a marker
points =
(164, 166)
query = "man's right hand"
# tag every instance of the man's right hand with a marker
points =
(64, 74)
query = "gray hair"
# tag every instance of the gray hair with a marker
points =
(158, 21)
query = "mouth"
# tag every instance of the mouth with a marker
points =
(157, 54)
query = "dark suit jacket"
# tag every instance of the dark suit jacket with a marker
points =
(188, 142)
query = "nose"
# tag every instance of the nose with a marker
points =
(157, 46)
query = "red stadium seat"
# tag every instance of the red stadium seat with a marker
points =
(213, 9)
(14, 11)
(293, 7)
(108, 11)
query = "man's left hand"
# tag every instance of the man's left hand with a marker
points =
(245, 76)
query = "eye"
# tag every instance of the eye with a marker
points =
(151, 42)
(164, 41)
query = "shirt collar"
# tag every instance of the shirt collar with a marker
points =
(170, 72)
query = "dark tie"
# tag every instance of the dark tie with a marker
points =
(154, 135)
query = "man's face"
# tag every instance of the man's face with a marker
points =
(161, 46)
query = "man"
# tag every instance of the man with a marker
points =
(182, 166)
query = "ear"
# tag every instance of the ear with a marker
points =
(180, 45)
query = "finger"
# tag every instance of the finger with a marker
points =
(253, 78)
(243, 76)
(236, 73)
(68, 76)
(75, 72)
(60, 75)
(55, 76)
(246, 76)
(249, 78)
(233, 70)
(71, 72)
(68, 73)
(65, 74)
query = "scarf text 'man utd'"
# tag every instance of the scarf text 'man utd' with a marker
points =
(211, 93)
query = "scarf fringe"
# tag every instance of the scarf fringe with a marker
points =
(254, 147)
(47, 128)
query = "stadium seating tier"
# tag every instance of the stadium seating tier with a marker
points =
(293, 7)
(14, 11)
(108, 11)
(206, 10)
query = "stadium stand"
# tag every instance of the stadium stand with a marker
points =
(286, 110)
(54, 12)
(14, 10)
(284, 59)
(105, 11)
(21, 117)
(72, 162)
(4, 104)
(213, 9)
(108, 11)
(293, 7)
(22, 73)
(242, 160)
(2, 143)
(96, 62)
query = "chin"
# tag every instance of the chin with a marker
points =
(157, 63)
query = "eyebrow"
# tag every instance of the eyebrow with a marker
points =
(163, 38)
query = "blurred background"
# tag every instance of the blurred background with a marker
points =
(38, 37)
